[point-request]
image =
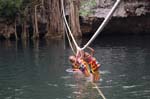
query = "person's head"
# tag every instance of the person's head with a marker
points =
(72, 59)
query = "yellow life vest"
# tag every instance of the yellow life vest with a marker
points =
(75, 67)
(82, 66)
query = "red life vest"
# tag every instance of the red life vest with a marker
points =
(94, 65)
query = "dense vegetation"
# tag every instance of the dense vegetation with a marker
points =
(33, 18)
(43, 18)
(9, 8)
(23, 17)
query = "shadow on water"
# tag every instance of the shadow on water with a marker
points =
(37, 69)
(126, 60)
(29, 69)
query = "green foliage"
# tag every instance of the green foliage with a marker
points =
(89, 3)
(86, 6)
(9, 8)
(85, 12)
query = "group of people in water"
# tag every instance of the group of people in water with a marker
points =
(86, 63)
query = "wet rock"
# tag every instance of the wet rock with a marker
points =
(126, 8)
(131, 17)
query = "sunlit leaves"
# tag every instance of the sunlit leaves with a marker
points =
(86, 5)
(9, 8)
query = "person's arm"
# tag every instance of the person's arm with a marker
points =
(92, 51)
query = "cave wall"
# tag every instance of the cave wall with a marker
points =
(131, 17)
(125, 9)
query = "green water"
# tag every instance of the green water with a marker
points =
(37, 69)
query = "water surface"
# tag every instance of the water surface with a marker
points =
(37, 69)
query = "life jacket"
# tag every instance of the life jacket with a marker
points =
(94, 65)
(75, 67)
(83, 66)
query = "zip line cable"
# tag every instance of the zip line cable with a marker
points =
(69, 40)
(101, 27)
(104, 23)
(99, 91)
(66, 31)
(65, 20)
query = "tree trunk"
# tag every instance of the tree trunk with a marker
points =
(55, 22)
(36, 33)
(16, 31)
(24, 33)
(33, 26)
(6, 32)
(74, 18)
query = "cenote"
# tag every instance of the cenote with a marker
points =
(37, 69)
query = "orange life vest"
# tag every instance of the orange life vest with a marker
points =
(94, 65)
(75, 67)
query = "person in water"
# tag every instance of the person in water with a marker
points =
(93, 63)
(91, 60)
(79, 64)
(86, 63)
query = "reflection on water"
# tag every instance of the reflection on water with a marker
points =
(37, 69)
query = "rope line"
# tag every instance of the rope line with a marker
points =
(66, 32)
(104, 23)
(65, 20)
(69, 41)
(101, 27)
(99, 91)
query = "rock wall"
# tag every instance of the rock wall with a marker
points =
(126, 8)
(131, 17)
(133, 8)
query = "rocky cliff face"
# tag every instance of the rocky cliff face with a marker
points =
(131, 17)
(133, 8)
(126, 8)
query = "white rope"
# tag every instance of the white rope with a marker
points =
(73, 39)
(99, 91)
(70, 43)
(106, 20)
(69, 40)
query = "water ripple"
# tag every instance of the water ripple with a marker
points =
(140, 93)
(77, 92)
(106, 87)
(71, 85)
(105, 72)
(131, 86)
(66, 77)
(53, 85)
